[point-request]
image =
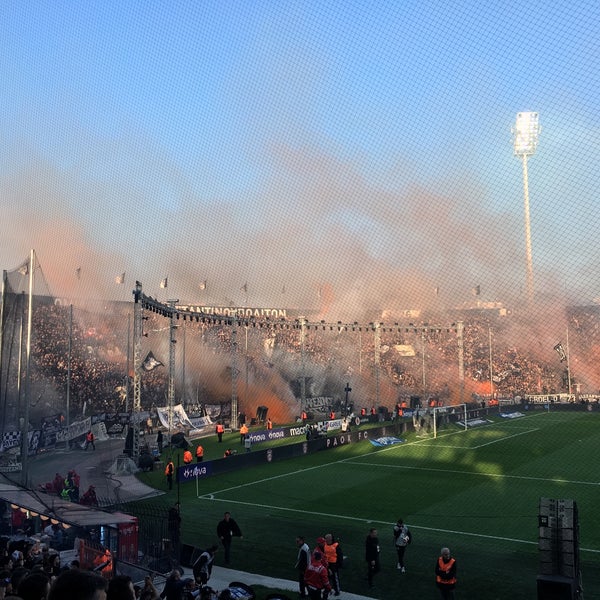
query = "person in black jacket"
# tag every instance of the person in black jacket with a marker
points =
(226, 529)
(372, 555)
(302, 562)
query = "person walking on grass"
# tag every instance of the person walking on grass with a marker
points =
(372, 555)
(402, 538)
(227, 528)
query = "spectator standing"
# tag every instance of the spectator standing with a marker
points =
(402, 538)
(149, 591)
(445, 574)
(302, 561)
(202, 568)
(74, 583)
(90, 440)
(372, 555)
(120, 587)
(174, 586)
(227, 528)
(316, 578)
(34, 586)
(159, 441)
(174, 525)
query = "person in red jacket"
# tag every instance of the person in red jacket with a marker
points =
(316, 578)
(445, 574)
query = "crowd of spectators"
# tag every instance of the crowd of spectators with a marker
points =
(402, 358)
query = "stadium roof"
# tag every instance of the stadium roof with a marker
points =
(53, 507)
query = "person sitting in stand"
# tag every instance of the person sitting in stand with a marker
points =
(89, 498)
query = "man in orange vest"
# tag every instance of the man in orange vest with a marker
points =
(187, 457)
(334, 556)
(243, 433)
(445, 574)
(269, 424)
(169, 470)
(199, 453)
(220, 430)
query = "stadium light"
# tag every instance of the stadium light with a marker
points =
(526, 134)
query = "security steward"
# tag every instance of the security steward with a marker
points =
(243, 433)
(445, 574)
(332, 554)
(199, 453)
(169, 470)
(187, 457)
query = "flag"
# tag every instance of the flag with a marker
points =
(24, 269)
(120, 279)
(476, 291)
(202, 285)
(561, 352)
(150, 362)
(78, 272)
(244, 288)
(163, 283)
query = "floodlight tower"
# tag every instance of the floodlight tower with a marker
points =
(526, 133)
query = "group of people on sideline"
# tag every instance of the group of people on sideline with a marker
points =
(319, 569)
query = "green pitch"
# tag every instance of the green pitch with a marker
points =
(476, 491)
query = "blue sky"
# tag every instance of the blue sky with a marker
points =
(361, 146)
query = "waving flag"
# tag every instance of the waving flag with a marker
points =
(561, 352)
(120, 279)
(150, 362)
(163, 283)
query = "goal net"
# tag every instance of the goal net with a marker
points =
(447, 415)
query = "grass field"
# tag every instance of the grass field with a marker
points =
(476, 491)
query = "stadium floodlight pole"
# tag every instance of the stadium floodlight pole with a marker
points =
(302, 363)
(172, 342)
(491, 364)
(377, 330)
(234, 374)
(25, 427)
(138, 317)
(525, 140)
(423, 357)
(460, 326)
(568, 364)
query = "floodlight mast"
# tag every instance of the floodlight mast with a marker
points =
(526, 134)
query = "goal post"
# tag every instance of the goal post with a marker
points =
(452, 413)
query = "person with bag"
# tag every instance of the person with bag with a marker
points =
(202, 568)
(402, 538)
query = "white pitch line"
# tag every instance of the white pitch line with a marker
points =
(342, 460)
(338, 516)
(477, 473)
